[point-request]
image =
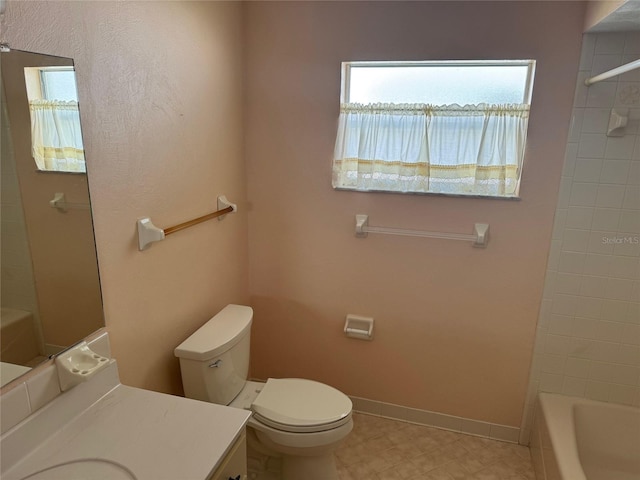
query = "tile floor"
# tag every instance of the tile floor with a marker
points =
(384, 449)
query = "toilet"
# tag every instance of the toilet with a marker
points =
(300, 421)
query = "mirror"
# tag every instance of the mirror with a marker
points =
(50, 289)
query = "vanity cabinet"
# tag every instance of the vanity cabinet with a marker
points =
(234, 464)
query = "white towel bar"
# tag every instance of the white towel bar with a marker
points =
(480, 237)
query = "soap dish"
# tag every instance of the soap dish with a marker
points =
(77, 365)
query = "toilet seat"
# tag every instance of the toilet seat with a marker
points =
(301, 406)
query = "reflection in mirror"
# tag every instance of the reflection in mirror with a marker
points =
(50, 288)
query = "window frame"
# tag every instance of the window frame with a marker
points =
(345, 87)
(530, 64)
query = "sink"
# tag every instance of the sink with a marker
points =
(94, 468)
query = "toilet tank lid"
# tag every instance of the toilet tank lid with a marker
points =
(218, 335)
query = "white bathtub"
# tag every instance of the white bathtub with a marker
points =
(18, 341)
(579, 439)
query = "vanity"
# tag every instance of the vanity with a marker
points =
(103, 430)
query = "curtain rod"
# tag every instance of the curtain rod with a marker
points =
(612, 73)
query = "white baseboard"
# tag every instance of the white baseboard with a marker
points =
(477, 428)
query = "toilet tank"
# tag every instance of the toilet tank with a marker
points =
(214, 360)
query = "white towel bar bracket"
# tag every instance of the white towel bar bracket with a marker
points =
(480, 237)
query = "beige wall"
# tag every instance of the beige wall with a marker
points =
(160, 91)
(454, 325)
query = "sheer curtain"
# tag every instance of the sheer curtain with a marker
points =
(56, 136)
(461, 150)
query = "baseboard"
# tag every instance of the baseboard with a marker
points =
(467, 426)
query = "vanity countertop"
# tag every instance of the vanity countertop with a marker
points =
(153, 435)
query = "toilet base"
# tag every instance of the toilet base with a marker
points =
(322, 467)
(267, 463)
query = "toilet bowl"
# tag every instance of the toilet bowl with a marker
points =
(301, 421)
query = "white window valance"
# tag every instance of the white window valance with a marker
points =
(462, 150)
(56, 136)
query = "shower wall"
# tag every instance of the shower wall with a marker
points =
(588, 334)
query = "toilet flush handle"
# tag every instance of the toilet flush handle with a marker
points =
(216, 364)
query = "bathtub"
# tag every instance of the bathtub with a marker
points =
(17, 336)
(579, 439)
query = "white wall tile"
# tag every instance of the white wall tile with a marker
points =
(577, 367)
(579, 217)
(610, 196)
(622, 394)
(601, 242)
(631, 45)
(584, 195)
(575, 128)
(574, 386)
(619, 289)
(614, 310)
(571, 262)
(595, 120)
(597, 391)
(625, 267)
(600, 95)
(558, 344)
(632, 334)
(629, 355)
(632, 197)
(570, 156)
(610, 372)
(633, 313)
(597, 264)
(619, 148)
(627, 95)
(585, 328)
(550, 382)
(592, 286)
(589, 307)
(610, 331)
(629, 221)
(634, 174)
(588, 170)
(588, 342)
(560, 324)
(628, 246)
(552, 363)
(575, 240)
(615, 171)
(592, 145)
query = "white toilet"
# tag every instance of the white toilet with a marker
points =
(301, 421)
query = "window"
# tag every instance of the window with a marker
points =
(452, 127)
(56, 136)
(58, 84)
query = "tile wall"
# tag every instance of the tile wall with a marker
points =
(35, 389)
(588, 337)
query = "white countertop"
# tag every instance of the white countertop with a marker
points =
(155, 436)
